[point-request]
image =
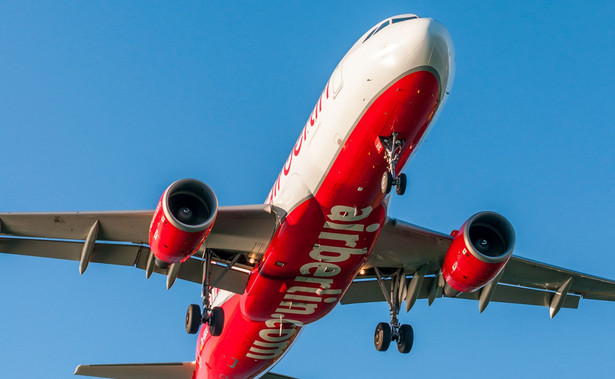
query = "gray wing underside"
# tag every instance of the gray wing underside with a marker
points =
(177, 370)
(411, 248)
(247, 230)
(122, 240)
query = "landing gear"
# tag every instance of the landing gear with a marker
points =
(405, 339)
(216, 321)
(382, 336)
(387, 182)
(400, 187)
(393, 148)
(213, 316)
(403, 334)
(393, 331)
(193, 319)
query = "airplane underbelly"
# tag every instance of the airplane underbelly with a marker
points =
(325, 238)
(406, 107)
(234, 354)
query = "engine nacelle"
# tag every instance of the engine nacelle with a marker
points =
(479, 251)
(182, 220)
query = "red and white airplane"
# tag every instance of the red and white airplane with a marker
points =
(323, 235)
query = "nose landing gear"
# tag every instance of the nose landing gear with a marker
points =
(403, 334)
(393, 147)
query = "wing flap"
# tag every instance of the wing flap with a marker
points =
(233, 280)
(369, 291)
(125, 255)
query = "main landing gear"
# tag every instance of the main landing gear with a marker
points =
(393, 331)
(393, 147)
(213, 316)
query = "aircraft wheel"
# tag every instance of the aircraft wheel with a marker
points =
(406, 339)
(386, 183)
(400, 188)
(193, 319)
(216, 321)
(382, 336)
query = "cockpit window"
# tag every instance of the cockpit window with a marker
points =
(370, 34)
(382, 26)
(386, 23)
(396, 20)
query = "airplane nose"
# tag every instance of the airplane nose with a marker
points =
(433, 48)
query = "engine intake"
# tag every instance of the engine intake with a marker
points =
(479, 251)
(182, 220)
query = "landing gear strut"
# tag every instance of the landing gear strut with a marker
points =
(393, 331)
(393, 147)
(213, 316)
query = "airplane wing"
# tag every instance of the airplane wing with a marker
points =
(240, 234)
(245, 231)
(419, 254)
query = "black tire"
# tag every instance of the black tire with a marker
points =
(193, 319)
(406, 339)
(400, 189)
(382, 336)
(216, 321)
(386, 183)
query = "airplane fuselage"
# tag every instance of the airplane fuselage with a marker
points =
(395, 79)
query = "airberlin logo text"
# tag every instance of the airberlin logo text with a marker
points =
(343, 236)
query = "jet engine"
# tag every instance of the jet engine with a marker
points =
(182, 220)
(479, 251)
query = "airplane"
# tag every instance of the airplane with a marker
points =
(323, 235)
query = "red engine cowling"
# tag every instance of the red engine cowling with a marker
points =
(182, 220)
(479, 251)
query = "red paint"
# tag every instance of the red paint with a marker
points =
(319, 262)
(171, 244)
(465, 272)
(361, 163)
(321, 245)
(227, 356)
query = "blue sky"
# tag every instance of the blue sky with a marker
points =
(104, 104)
